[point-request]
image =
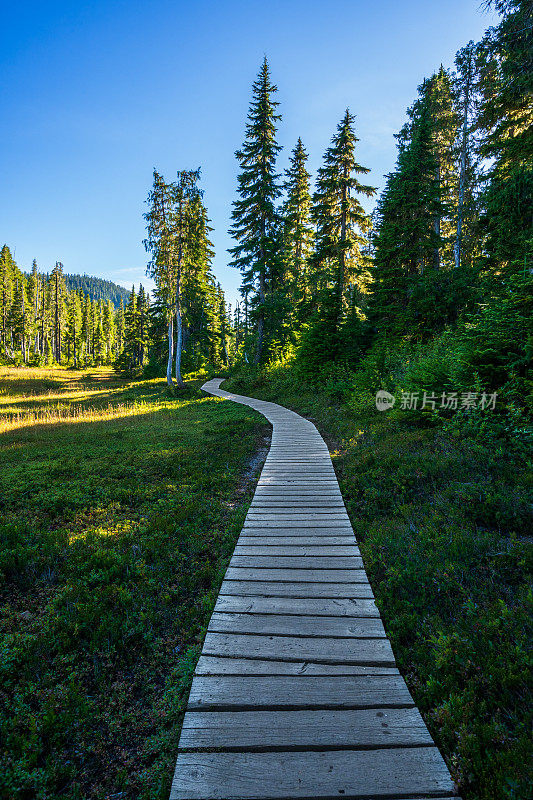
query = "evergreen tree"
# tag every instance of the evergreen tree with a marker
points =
(58, 290)
(406, 237)
(73, 328)
(256, 221)
(341, 222)
(298, 234)
(119, 329)
(7, 267)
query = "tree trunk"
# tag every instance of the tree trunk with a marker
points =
(260, 323)
(23, 337)
(436, 227)
(170, 352)
(462, 173)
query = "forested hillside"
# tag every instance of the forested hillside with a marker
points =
(97, 288)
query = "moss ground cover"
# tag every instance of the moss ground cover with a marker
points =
(444, 525)
(119, 510)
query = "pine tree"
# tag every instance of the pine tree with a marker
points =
(108, 329)
(256, 221)
(298, 234)
(58, 295)
(465, 91)
(505, 122)
(73, 328)
(7, 267)
(170, 224)
(406, 238)
(119, 329)
(340, 221)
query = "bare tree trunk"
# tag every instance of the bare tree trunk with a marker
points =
(23, 337)
(179, 349)
(170, 352)
(260, 323)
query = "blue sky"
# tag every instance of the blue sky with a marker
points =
(95, 94)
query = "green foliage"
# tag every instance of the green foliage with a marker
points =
(114, 538)
(256, 220)
(440, 515)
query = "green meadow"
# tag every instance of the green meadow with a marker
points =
(120, 507)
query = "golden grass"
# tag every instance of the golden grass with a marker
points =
(56, 395)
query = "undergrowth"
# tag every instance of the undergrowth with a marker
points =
(441, 507)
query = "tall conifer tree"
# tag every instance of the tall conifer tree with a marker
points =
(256, 221)
(341, 220)
(298, 234)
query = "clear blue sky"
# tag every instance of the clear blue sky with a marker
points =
(93, 95)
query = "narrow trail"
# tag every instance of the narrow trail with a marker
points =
(296, 693)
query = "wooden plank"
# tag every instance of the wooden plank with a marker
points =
(323, 523)
(289, 648)
(319, 534)
(297, 504)
(295, 589)
(300, 561)
(290, 514)
(292, 625)
(274, 549)
(398, 772)
(324, 729)
(246, 692)
(341, 607)
(301, 575)
(310, 543)
(218, 665)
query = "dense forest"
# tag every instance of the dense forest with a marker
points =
(97, 288)
(48, 319)
(441, 272)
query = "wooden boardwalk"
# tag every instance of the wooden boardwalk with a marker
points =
(296, 693)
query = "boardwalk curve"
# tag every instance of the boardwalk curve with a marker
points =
(296, 693)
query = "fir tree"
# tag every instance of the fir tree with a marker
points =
(340, 221)
(58, 292)
(406, 238)
(256, 222)
(298, 234)
(7, 267)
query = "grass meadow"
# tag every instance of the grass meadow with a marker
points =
(119, 509)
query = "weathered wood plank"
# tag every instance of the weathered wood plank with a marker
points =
(340, 607)
(346, 773)
(306, 729)
(302, 575)
(324, 523)
(295, 589)
(298, 691)
(298, 530)
(288, 648)
(274, 549)
(300, 561)
(218, 665)
(291, 625)
(306, 542)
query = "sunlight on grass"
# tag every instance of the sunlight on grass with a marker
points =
(119, 509)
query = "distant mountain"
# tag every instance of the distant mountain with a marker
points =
(97, 288)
